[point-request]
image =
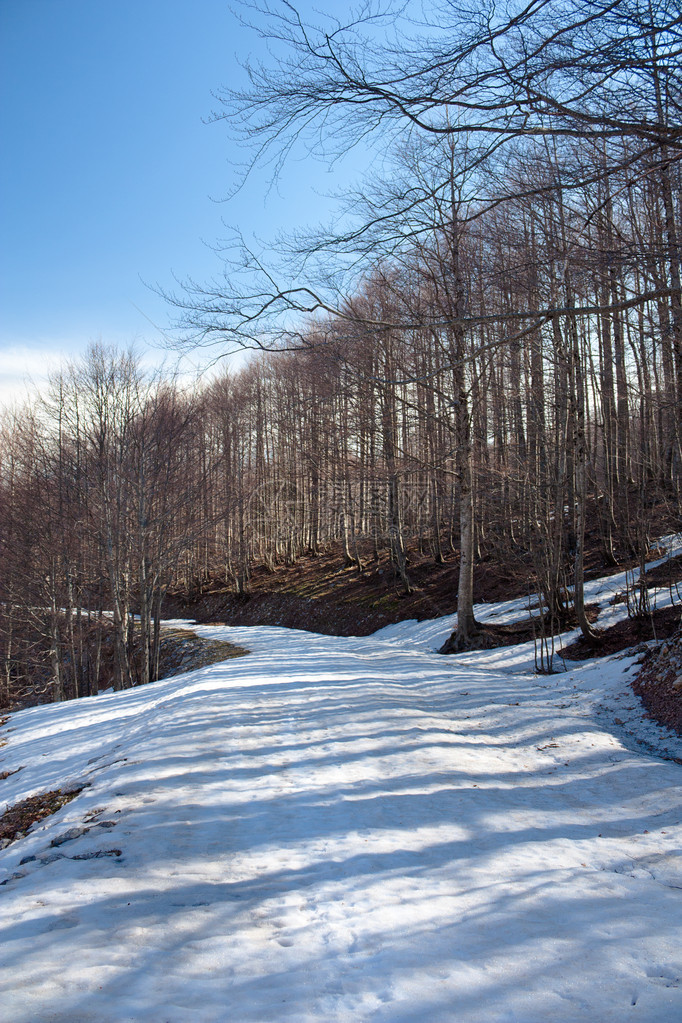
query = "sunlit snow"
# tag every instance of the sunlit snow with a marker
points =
(343, 829)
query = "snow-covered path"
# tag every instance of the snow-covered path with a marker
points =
(346, 830)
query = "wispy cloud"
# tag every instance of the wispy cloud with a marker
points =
(24, 368)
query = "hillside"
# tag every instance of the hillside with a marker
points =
(318, 593)
(349, 829)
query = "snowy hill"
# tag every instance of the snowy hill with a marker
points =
(348, 830)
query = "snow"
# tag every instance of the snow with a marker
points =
(345, 829)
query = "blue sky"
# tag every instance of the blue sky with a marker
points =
(109, 173)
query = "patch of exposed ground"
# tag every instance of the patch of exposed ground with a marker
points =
(659, 683)
(17, 819)
(667, 574)
(658, 625)
(320, 594)
(182, 650)
(489, 636)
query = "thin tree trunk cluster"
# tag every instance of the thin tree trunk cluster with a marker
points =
(95, 514)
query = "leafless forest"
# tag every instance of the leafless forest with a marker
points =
(484, 354)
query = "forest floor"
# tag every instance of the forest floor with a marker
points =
(318, 593)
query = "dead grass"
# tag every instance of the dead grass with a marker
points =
(17, 820)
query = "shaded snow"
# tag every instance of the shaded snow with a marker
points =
(344, 829)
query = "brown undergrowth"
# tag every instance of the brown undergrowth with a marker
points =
(658, 625)
(659, 682)
(18, 819)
